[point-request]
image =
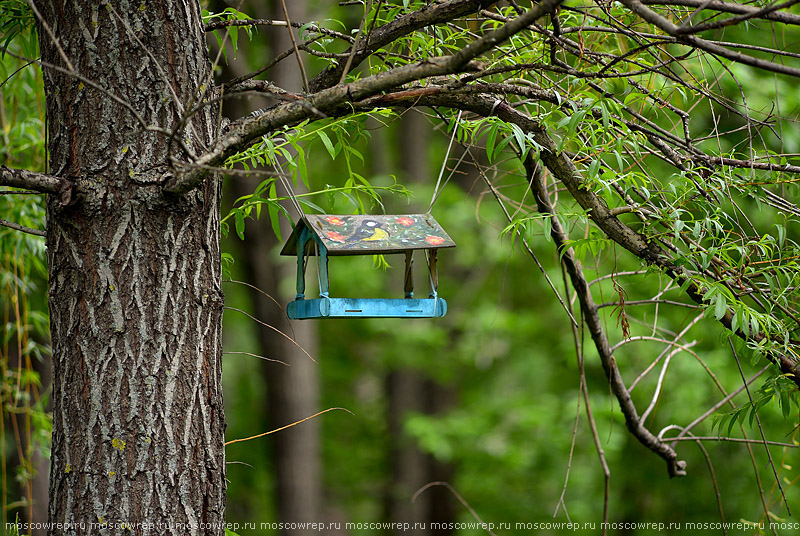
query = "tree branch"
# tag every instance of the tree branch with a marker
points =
(32, 180)
(562, 167)
(735, 8)
(336, 100)
(714, 25)
(590, 315)
(676, 31)
(216, 25)
(427, 16)
(22, 228)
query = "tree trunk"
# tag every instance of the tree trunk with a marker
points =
(135, 299)
(28, 456)
(408, 391)
(293, 391)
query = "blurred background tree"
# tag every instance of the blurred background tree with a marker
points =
(504, 399)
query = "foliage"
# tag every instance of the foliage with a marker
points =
(232, 32)
(26, 418)
(286, 153)
(16, 20)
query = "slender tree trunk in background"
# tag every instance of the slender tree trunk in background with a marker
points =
(293, 391)
(441, 499)
(407, 390)
(33, 490)
(135, 298)
(409, 465)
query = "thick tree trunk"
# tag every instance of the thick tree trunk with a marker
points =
(135, 299)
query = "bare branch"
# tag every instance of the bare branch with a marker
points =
(218, 24)
(760, 427)
(294, 45)
(733, 440)
(713, 409)
(428, 15)
(32, 180)
(758, 13)
(668, 26)
(589, 310)
(737, 8)
(22, 228)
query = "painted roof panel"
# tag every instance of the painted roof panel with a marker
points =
(366, 235)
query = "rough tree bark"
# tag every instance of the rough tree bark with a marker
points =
(135, 298)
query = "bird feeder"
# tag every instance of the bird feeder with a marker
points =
(326, 235)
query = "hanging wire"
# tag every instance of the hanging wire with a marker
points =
(436, 190)
(288, 187)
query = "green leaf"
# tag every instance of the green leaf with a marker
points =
(491, 136)
(720, 307)
(220, 45)
(606, 116)
(233, 32)
(326, 141)
(594, 167)
(227, 262)
(274, 215)
(238, 220)
(302, 169)
(519, 136)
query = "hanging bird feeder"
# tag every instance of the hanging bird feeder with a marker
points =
(325, 235)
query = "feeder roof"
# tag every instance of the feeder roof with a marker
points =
(368, 235)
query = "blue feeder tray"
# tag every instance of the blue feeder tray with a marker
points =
(333, 235)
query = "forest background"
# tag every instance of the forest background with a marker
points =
(489, 399)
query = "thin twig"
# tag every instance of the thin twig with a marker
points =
(723, 439)
(52, 36)
(259, 357)
(231, 442)
(660, 383)
(19, 192)
(294, 44)
(714, 408)
(760, 428)
(464, 503)
(354, 48)
(273, 328)
(589, 312)
(519, 234)
(22, 228)
(560, 503)
(216, 25)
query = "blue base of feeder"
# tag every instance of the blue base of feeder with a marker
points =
(302, 309)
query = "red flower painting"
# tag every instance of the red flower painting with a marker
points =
(336, 237)
(434, 240)
(405, 221)
(333, 220)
